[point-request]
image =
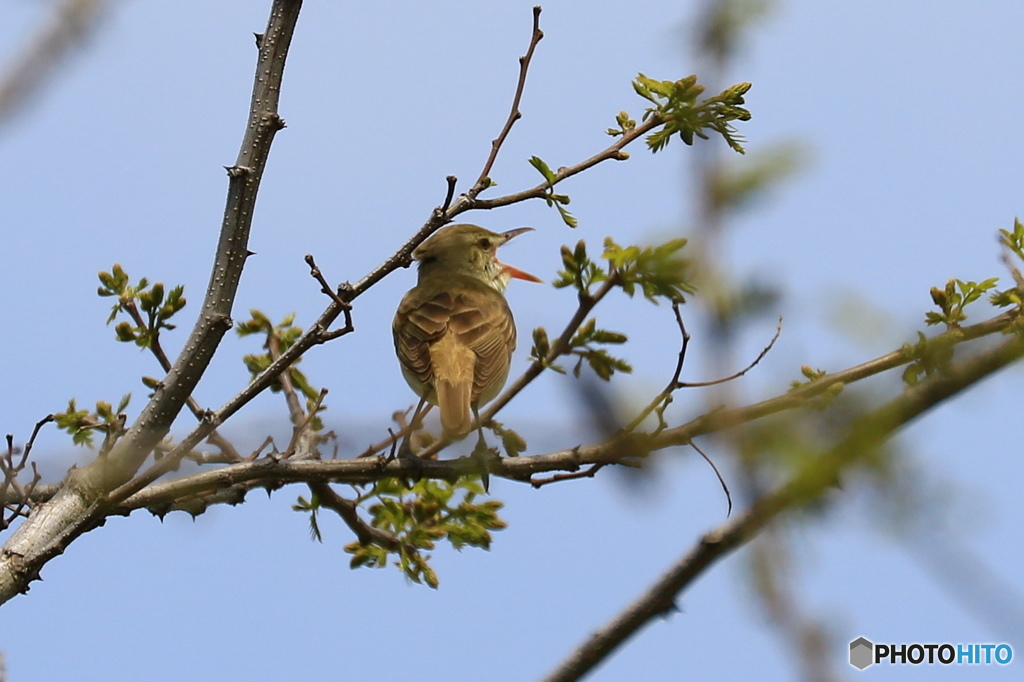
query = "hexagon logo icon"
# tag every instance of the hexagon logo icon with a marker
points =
(861, 653)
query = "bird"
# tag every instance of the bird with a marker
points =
(454, 332)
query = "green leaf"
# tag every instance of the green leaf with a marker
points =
(676, 106)
(659, 271)
(544, 169)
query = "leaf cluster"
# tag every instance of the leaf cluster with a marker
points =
(82, 424)
(826, 397)
(583, 345)
(158, 305)
(676, 104)
(1013, 241)
(658, 271)
(578, 270)
(953, 298)
(419, 516)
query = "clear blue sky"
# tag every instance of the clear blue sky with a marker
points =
(908, 113)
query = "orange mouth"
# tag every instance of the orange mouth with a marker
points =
(516, 273)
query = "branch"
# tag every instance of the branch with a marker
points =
(232, 250)
(231, 483)
(612, 152)
(347, 510)
(727, 418)
(218, 441)
(346, 309)
(820, 474)
(735, 375)
(674, 384)
(514, 115)
(79, 505)
(16, 502)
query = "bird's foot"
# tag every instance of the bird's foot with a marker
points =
(484, 456)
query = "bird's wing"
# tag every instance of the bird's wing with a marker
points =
(420, 321)
(478, 318)
(482, 321)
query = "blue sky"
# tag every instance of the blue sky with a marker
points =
(907, 115)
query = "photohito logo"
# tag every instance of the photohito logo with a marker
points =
(863, 653)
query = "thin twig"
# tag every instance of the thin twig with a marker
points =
(721, 479)
(514, 114)
(295, 412)
(269, 440)
(589, 472)
(335, 296)
(612, 152)
(674, 384)
(674, 381)
(18, 501)
(449, 195)
(303, 426)
(314, 272)
(737, 375)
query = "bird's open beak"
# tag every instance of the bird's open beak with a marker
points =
(516, 273)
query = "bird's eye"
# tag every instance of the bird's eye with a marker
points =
(485, 243)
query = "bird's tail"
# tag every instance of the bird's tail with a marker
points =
(453, 366)
(453, 400)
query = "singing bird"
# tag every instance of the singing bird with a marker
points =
(454, 332)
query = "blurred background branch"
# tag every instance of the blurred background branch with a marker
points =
(27, 72)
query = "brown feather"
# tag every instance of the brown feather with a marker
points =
(455, 346)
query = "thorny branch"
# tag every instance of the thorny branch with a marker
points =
(81, 501)
(230, 483)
